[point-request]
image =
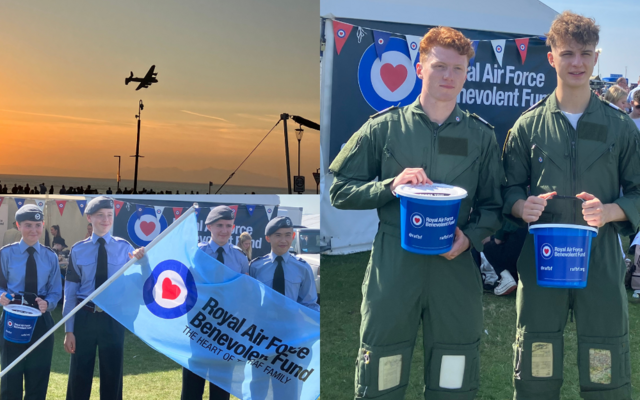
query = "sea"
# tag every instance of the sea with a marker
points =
(101, 185)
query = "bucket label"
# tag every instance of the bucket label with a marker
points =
(430, 227)
(562, 258)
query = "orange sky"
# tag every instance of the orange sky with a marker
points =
(226, 71)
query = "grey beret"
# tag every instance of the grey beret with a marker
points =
(98, 203)
(220, 212)
(30, 212)
(277, 223)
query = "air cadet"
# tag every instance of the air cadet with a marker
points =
(91, 262)
(433, 137)
(284, 272)
(573, 144)
(220, 223)
(30, 273)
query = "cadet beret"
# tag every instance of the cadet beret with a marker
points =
(217, 213)
(30, 212)
(98, 203)
(277, 223)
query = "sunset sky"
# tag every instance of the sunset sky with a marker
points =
(226, 71)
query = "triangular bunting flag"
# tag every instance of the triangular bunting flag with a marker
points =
(81, 205)
(19, 202)
(235, 210)
(413, 42)
(177, 212)
(523, 46)
(498, 49)
(250, 208)
(61, 204)
(39, 203)
(139, 209)
(341, 32)
(159, 210)
(269, 210)
(197, 211)
(380, 40)
(117, 204)
(474, 44)
(1, 198)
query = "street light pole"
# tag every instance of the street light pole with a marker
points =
(299, 133)
(284, 117)
(118, 176)
(135, 176)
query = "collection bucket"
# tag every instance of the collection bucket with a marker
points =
(19, 323)
(562, 254)
(428, 217)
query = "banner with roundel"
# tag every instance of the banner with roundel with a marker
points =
(39, 204)
(19, 202)
(380, 40)
(498, 49)
(269, 211)
(117, 205)
(341, 32)
(81, 205)
(144, 226)
(413, 44)
(390, 80)
(60, 204)
(250, 208)
(158, 210)
(523, 45)
(170, 292)
(177, 212)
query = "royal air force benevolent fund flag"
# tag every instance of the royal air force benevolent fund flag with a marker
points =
(225, 327)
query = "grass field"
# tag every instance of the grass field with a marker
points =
(147, 373)
(342, 279)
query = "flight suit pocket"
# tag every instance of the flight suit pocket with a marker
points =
(545, 170)
(538, 356)
(382, 369)
(465, 174)
(391, 165)
(603, 362)
(454, 367)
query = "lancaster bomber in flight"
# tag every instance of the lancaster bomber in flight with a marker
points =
(148, 79)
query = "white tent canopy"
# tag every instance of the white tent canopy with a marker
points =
(353, 231)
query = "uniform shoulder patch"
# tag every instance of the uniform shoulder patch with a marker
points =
(538, 104)
(613, 106)
(386, 110)
(296, 257)
(258, 258)
(8, 245)
(476, 116)
(237, 248)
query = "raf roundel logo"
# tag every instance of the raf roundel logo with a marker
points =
(118, 206)
(417, 220)
(144, 228)
(413, 45)
(10, 323)
(341, 33)
(380, 41)
(170, 292)
(499, 49)
(540, 159)
(546, 251)
(390, 80)
(60, 205)
(37, 217)
(522, 47)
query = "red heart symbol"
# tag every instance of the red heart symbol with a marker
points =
(393, 77)
(416, 220)
(147, 227)
(169, 290)
(546, 252)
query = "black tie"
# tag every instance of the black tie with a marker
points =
(220, 256)
(278, 276)
(31, 275)
(101, 270)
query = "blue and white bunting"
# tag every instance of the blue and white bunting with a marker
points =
(81, 205)
(380, 40)
(20, 203)
(474, 44)
(498, 49)
(413, 43)
(250, 209)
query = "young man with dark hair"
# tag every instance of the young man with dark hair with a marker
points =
(431, 140)
(575, 145)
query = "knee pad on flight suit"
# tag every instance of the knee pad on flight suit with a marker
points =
(605, 368)
(382, 372)
(454, 371)
(538, 365)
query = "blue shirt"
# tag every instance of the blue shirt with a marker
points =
(13, 264)
(299, 283)
(81, 272)
(233, 256)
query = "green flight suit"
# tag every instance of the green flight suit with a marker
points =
(400, 288)
(545, 152)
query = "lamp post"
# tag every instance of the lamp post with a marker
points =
(118, 176)
(299, 133)
(135, 176)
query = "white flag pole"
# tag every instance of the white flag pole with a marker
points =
(100, 289)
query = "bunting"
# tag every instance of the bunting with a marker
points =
(341, 32)
(413, 43)
(498, 49)
(474, 44)
(250, 208)
(60, 205)
(523, 45)
(117, 204)
(2, 198)
(140, 209)
(39, 203)
(235, 210)
(177, 212)
(269, 210)
(159, 210)
(19, 202)
(381, 39)
(81, 205)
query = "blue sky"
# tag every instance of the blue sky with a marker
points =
(618, 39)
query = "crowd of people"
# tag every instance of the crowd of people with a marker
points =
(42, 189)
(625, 98)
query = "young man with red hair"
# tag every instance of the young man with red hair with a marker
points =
(575, 145)
(431, 140)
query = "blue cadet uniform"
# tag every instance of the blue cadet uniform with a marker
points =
(233, 257)
(27, 272)
(91, 262)
(296, 282)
